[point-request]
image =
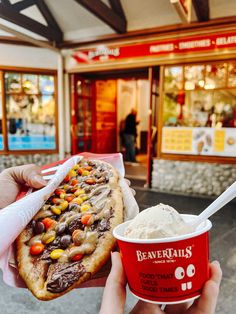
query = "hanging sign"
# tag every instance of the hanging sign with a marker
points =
(189, 44)
(183, 8)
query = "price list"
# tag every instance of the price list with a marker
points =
(177, 140)
(219, 141)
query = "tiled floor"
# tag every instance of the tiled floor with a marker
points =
(223, 248)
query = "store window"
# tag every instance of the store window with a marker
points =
(30, 111)
(1, 115)
(199, 110)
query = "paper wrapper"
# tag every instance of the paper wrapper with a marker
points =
(15, 217)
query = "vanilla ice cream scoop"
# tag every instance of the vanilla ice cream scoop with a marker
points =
(159, 221)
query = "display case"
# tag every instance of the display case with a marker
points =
(198, 115)
(30, 113)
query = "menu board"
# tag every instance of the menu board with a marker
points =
(199, 141)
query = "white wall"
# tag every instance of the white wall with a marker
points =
(143, 98)
(133, 94)
(23, 56)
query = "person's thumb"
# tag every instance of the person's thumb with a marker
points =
(28, 174)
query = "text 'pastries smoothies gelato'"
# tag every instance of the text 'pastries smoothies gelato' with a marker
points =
(160, 221)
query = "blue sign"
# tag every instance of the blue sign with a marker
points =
(34, 142)
(1, 142)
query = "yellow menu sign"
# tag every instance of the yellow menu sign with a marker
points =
(177, 140)
(219, 141)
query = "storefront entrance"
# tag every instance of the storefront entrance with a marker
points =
(100, 104)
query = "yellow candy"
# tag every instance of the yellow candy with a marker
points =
(76, 167)
(85, 173)
(77, 200)
(72, 173)
(64, 205)
(49, 240)
(62, 195)
(79, 192)
(84, 197)
(85, 207)
(56, 210)
(49, 236)
(55, 254)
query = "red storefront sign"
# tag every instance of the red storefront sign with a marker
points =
(189, 44)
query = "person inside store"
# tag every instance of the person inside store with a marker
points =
(114, 296)
(130, 135)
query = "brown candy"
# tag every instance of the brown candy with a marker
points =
(65, 241)
(78, 237)
(39, 227)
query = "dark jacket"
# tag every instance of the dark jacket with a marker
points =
(130, 125)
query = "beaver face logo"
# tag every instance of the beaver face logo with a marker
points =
(180, 274)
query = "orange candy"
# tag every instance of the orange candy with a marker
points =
(36, 249)
(74, 182)
(90, 181)
(80, 171)
(69, 198)
(48, 222)
(59, 191)
(85, 219)
(67, 178)
(77, 257)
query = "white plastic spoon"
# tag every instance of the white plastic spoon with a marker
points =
(222, 200)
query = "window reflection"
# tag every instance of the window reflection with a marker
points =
(194, 76)
(1, 136)
(205, 101)
(232, 74)
(30, 112)
(173, 78)
(30, 84)
(215, 75)
(83, 87)
(46, 84)
(13, 82)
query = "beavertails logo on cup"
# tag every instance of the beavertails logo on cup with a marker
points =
(168, 253)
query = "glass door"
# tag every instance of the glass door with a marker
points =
(81, 114)
(105, 132)
(153, 77)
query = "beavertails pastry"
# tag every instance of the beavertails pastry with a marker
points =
(70, 238)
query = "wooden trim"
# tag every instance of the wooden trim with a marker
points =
(149, 133)
(27, 152)
(104, 13)
(198, 158)
(4, 115)
(12, 40)
(10, 14)
(28, 70)
(117, 8)
(51, 21)
(73, 113)
(201, 8)
(162, 31)
(56, 113)
(160, 111)
(20, 6)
